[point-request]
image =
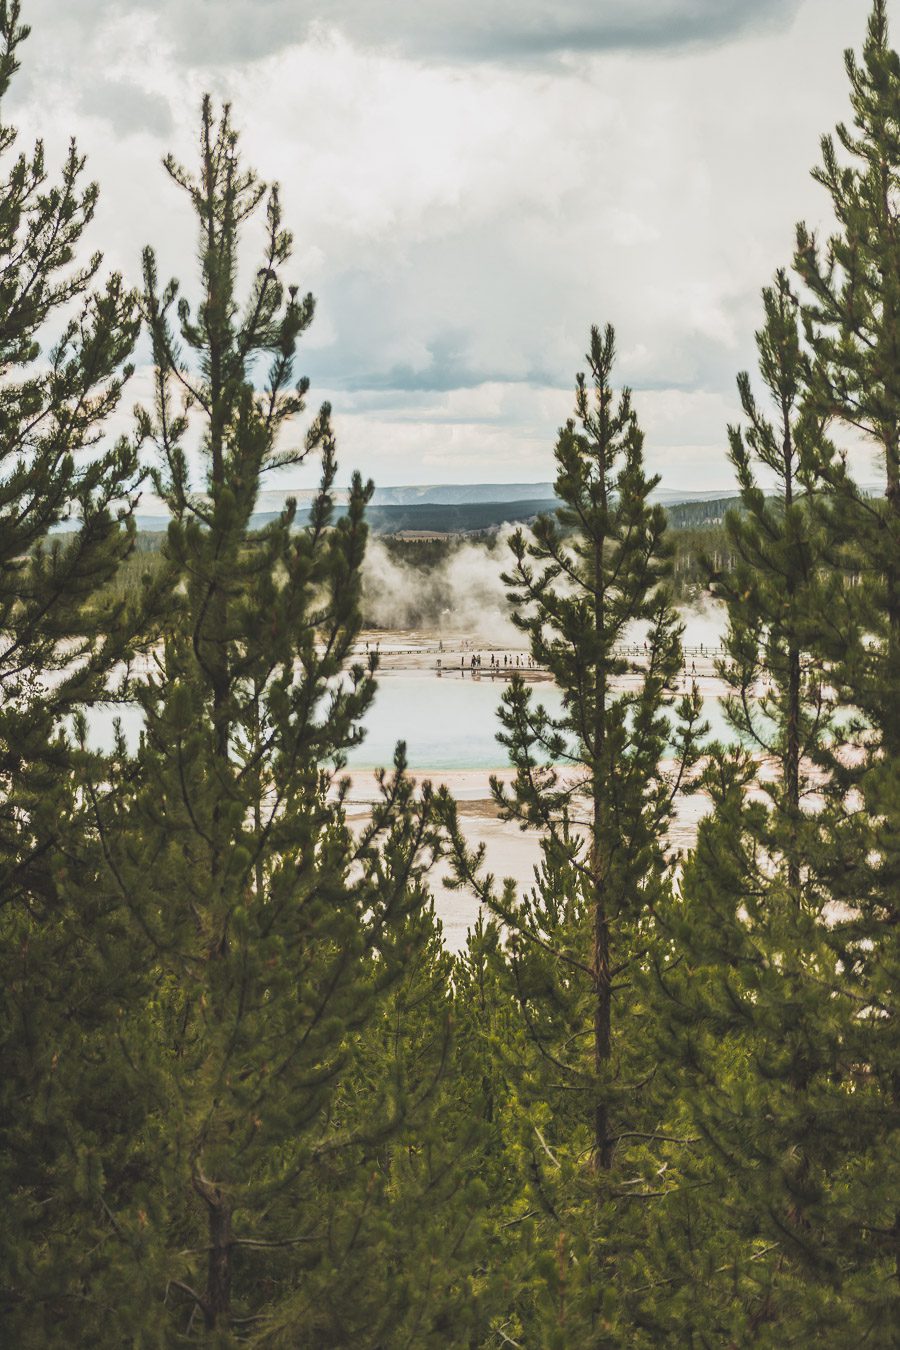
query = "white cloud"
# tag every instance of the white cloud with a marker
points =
(461, 222)
(208, 32)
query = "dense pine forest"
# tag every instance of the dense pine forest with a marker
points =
(248, 1095)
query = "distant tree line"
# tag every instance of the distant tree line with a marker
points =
(426, 560)
(247, 1096)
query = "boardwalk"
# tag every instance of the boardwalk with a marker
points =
(484, 660)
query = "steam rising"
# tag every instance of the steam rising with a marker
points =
(460, 594)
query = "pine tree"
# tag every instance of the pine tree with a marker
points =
(593, 781)
(63, 532)
(66, 497)
(406, 1245)
(851, 313)
(753, 988)
(782, 993)
(852, 317)
(775, 591)
(275, 937)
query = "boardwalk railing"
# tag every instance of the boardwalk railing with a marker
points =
(489, 660)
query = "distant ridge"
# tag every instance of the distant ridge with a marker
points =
(271, 500)
(444, 518)
(460, 508)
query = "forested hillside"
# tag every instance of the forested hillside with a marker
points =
(427, 559)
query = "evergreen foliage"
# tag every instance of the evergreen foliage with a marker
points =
(852, 320)
(589, 1139)
(851, 317)
(66, 498)
(780, 1000)
(753, 1022)
(58, 646)
(773, 593)
(269, 1044)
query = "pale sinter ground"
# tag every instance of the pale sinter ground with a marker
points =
(406, 661)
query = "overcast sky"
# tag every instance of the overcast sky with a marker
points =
(471, 185)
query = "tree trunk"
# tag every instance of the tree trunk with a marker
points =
(599, 856)
(792, 749)
(892, 583)
(792, 768)
(217, 1295)
(602, 1022)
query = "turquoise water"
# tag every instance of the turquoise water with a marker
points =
(448, 722)
(451, 722)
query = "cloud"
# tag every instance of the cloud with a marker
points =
(506, 432)
(463, 222)
(127, 107)
(440, 364)
(209, 32)
(475, 30)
